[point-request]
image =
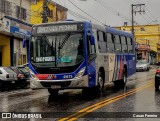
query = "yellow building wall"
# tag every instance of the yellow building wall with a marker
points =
(150, 33)
(6, 56)
(145, 34)
(36, 12)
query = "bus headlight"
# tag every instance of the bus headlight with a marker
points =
(80, 73)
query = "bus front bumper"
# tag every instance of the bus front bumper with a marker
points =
(76, 83)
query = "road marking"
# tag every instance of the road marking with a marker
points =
(98, 105)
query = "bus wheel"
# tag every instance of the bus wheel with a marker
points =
(120, 84)
(100, 82)
(53, 91)
(116, 85)
(124, 80)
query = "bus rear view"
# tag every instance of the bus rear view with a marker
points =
(58, 55)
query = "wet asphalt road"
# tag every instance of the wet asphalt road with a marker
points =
(143, 100)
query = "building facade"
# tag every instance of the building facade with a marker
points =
(148, 35)
(55, 11)
(143, 52)
(14, 19)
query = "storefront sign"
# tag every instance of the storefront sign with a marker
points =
(20, 29)
(15, 26)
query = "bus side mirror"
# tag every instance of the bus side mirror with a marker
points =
(24, 42)
(92, 41)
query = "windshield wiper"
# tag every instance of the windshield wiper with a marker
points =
(64, 40)
(46, 39)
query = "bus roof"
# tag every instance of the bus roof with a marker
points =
(59, 22)
(118, 32)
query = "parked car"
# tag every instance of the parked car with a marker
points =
(157, 79)
(22, 75)
(142, 65)
(7, 77)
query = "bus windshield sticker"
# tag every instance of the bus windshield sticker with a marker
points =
(48, 29)
(45, 59)
(66, 59)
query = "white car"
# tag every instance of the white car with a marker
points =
(142, 65)
(7, 76)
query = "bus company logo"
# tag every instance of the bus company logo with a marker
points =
(51, 77)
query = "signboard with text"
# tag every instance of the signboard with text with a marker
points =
(53, 28)
(16, 27)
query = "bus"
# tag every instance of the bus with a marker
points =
(79, 55)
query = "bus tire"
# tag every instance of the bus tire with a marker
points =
(124, 79)
(120, 84)
(100, 81)
(53, 91)
(86, 91)
(116, 85)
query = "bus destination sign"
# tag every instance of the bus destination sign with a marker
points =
(56, 28)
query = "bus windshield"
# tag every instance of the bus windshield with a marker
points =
(58, 50)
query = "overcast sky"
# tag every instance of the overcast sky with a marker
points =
(112, 12)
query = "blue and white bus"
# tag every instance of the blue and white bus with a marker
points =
(79, 55)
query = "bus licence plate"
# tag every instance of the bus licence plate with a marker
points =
(55, 86)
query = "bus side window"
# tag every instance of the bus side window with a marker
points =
(102, 42)
(130, 46)
(110, 44)
(90, 48)
(117, 43)
(124, 44)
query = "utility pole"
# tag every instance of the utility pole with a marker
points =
(45, 12)
(136, 8)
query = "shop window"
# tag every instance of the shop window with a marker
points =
(5, 7)
(24, 59)
(142, 29)
(23, 13)
(145, 53)
(139, 56)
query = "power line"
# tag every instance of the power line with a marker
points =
(78, 15)
(117, 13)
(151, 18)
(86, 13)
(148, 23)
